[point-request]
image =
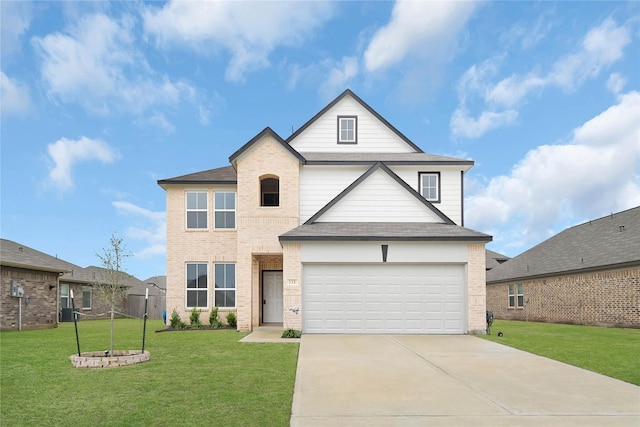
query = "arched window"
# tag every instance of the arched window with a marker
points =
(270, 191)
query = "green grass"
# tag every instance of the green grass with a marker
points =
(193, 378)
(614, 352)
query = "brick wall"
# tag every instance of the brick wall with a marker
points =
(260, 226)
(41, 309)
(476, 289)
(609, 298)
(206, 246)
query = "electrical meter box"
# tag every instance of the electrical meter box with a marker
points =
(15, 290)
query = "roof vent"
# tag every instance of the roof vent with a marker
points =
(621, 228)
(20, 249)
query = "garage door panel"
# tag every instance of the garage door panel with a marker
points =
(383, 298)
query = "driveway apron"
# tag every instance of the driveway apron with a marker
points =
(458, 380)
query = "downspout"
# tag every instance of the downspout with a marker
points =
(462, 197)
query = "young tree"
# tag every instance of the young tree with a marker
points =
(111, 287)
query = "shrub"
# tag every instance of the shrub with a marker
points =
(231, 319)
(176, 321)
(213, 318)
(194, 318)
(291, 333)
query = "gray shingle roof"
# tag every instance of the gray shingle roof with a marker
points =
(388, 158)
(17, 255)
(223, 175)
(374, 231)
(613, 240)
(494, 259)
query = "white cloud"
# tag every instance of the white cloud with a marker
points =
(469, 127)
(14, 96)
(15, 18)
(249, 31)
(600, 48)
(97, 65)
(416, 27)
(616, 83)
(598, 172)
(340, 73)
(149, 228)
(66, 153)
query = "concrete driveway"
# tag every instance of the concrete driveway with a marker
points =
(410, 380)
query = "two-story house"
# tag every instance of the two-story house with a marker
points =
(344, 227)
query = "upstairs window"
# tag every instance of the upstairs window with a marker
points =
(270, 192)
(430, 186)
(225, 210)
(197, 209)
(347, 129)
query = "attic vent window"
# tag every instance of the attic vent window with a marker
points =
(347, 129)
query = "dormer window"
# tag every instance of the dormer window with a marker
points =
(269, 191)
(347, 129)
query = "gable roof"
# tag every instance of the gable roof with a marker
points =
(608, 242)
(13, 254)
(348, 92)
(223, 175)
(383, 231)
(379, 166)
(266, 131)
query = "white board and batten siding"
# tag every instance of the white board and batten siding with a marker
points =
(450, 187)
(379, 198)
(321, 184)
(420, 290)
(373, 135)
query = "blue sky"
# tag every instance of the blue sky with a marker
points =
(100, 100)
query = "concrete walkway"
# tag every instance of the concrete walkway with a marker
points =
(268, 334)
(409, 380)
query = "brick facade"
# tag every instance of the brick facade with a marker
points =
(39, 305)
(476, 289)
(259, 226)
(606, 298)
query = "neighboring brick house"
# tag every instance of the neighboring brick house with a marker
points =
(47, 283)
(587, 274)
(344, 227)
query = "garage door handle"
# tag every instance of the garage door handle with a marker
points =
(264, 302)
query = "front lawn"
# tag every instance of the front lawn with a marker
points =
(614, 352)
(193, 378)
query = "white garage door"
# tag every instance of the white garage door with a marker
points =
(383, 298)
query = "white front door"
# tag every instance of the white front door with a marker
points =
(272, 297)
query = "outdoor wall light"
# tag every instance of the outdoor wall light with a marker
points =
(51, 286)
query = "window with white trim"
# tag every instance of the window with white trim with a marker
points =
(86, 297)
(516, 296)
(197, 290)
(430, 186)
(225, 285)
(225, 210)
(347, 129)
(64, 296)
(197, 211)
